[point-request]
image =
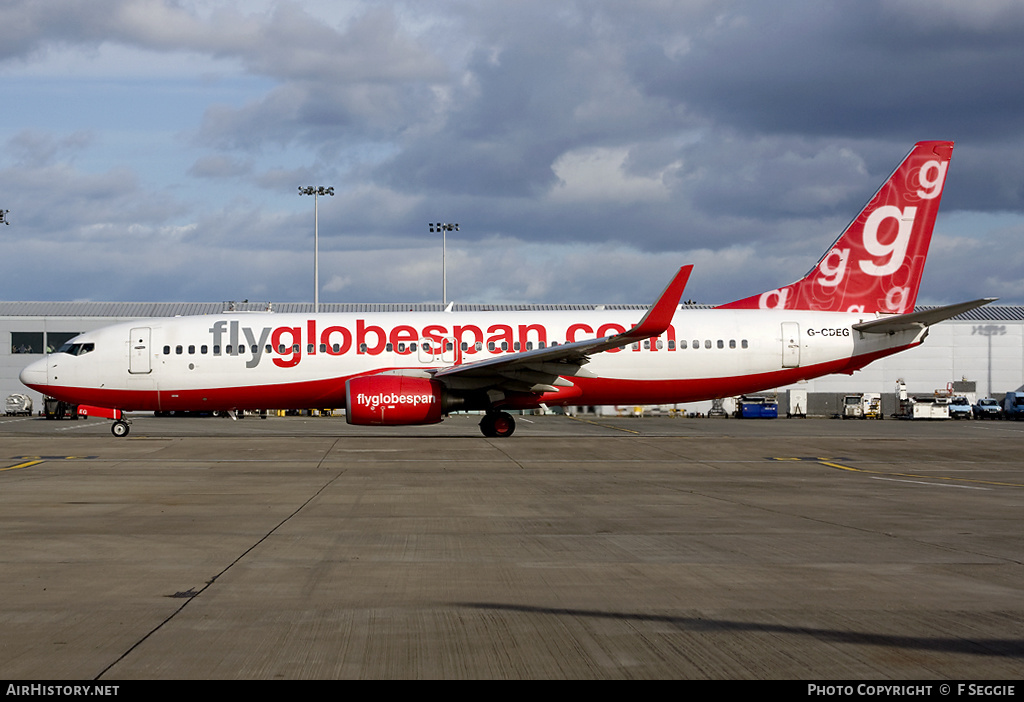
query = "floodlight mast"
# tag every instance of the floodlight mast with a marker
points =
(315, 192)
(443, 228)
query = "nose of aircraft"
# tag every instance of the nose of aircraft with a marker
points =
(34, 375)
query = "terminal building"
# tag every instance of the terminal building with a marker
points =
(979, 354)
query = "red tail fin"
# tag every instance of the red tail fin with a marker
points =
(876, 263)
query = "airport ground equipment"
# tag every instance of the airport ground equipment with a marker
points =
(960, 408)
(757, 407)
(19, 405)
(988, 408)
(1013, 405)
(797, 403)
(58, 409)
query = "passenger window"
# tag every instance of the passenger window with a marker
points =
(721, 344)
(744, 343)
(707, 343)
(167, 350)
(178, 350)
(192, 350)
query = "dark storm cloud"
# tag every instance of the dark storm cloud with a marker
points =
(369, 80)
(572, 139)
(536, 84)
(801, 110)
(863, 68)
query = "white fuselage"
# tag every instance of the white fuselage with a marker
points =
(267, 360)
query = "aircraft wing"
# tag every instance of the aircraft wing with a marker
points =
(539, 370)
(919, 320)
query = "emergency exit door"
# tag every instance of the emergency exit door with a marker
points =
(138, 351)
(790, 344)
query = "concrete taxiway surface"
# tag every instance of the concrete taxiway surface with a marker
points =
(600, 548)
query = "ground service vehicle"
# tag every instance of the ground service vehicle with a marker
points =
(59, 409)
(960, 408)
(19, 405)
(853, 407)
(1013, 405)
(987, 408)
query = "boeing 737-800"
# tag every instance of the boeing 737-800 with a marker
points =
(854, 306)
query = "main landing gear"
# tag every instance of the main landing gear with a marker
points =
(497, 424)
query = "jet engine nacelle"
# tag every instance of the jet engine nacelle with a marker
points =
(393, 400)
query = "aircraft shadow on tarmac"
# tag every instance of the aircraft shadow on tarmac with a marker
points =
(1003, 648)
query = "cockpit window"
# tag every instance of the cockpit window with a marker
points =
(76, 349)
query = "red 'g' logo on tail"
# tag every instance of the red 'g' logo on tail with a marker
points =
(877, 262)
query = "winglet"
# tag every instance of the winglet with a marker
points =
(657, 319)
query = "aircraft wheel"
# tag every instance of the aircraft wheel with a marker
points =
(119, 428)
(497, 424)
(504, 424)
(487, 425)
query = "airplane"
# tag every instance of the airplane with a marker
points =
(854, 306)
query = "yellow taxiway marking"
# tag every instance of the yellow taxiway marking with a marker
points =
(26, 464)
(29, 461)
(832, 464)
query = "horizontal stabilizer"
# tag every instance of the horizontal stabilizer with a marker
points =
(917, 320)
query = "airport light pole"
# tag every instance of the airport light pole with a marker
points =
(443, 228)
(316, 192)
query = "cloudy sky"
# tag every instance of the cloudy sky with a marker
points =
(153, 149)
